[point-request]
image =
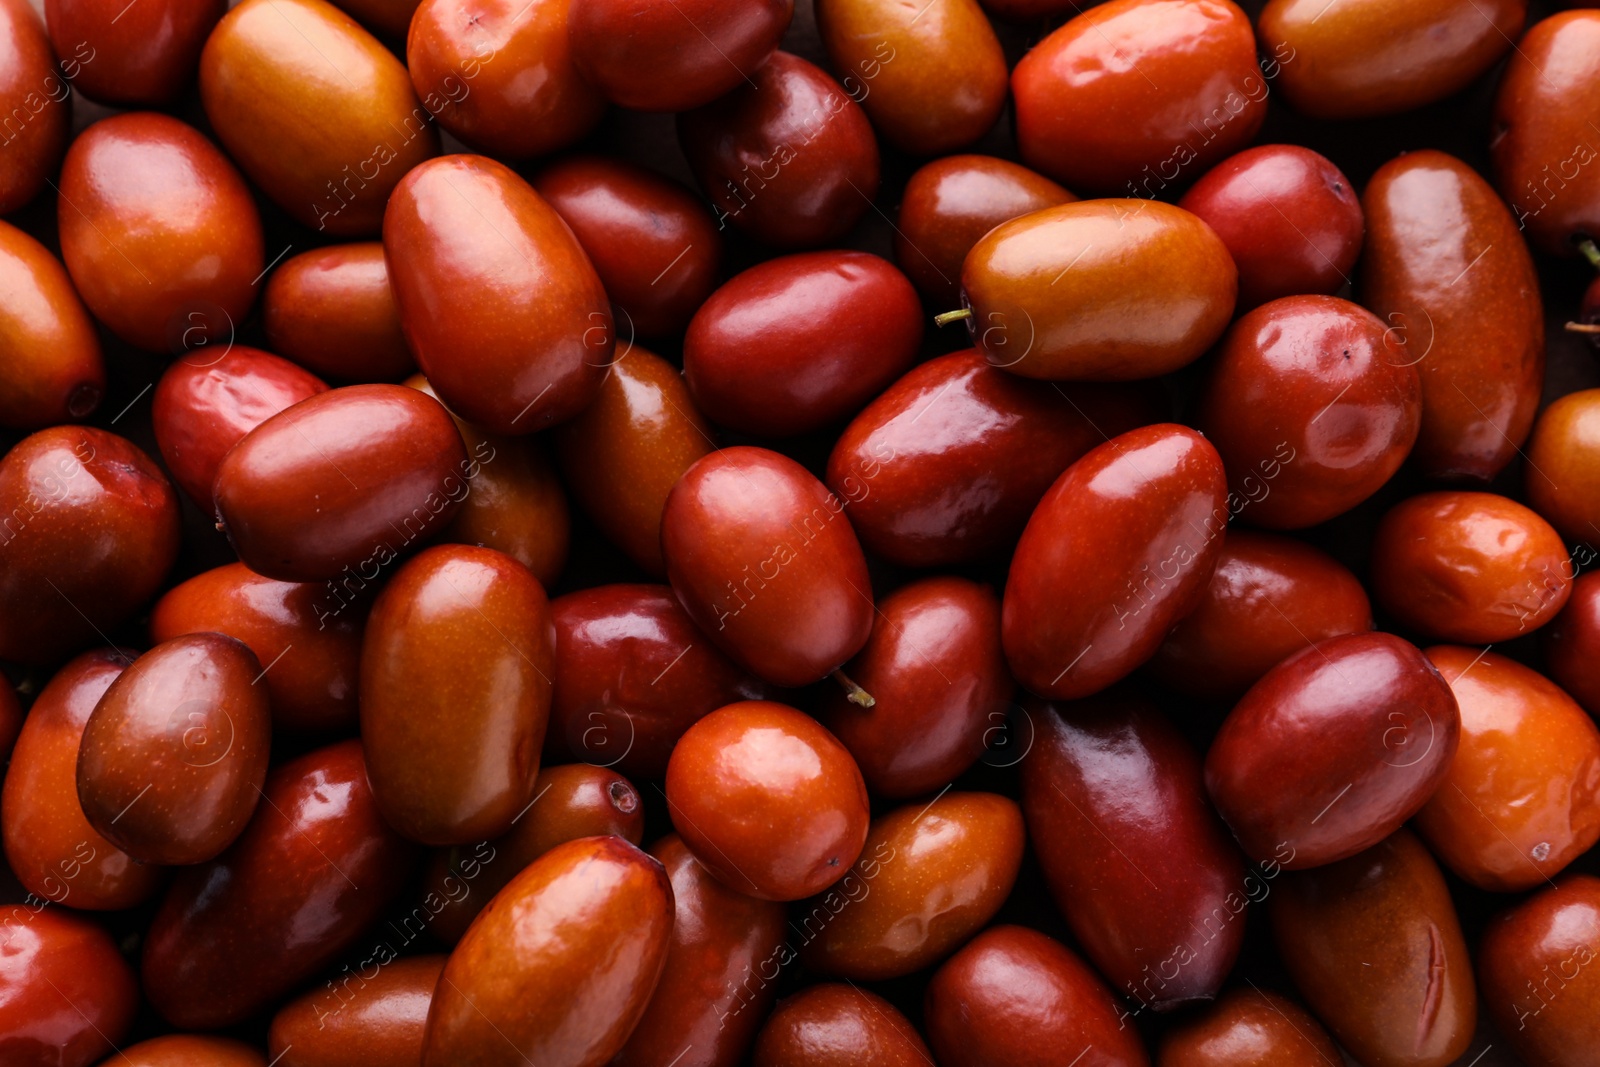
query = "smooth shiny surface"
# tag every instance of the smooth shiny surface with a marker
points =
(499, 303)
(652, 242)
(1535, 966)
(54, 371)
(560, 966)
(768, 800)
(343, 483)
(1333, 750)
(1561, 473)
(623, 454)
(189, 1050)
(930, 876)
(1269, 597)
(144, 56)
(931, 76)
(159, 232)
(90, 531)
(632, 673)
(1120, 548)
(1373, 58)
(319, 114)
(1249, 1028)
(173, 757)
(375, 1016)
(789, 157)
(207, 401)
(1134, 93)
(761, 556)
(1447, 269)
(1313, 404)
(31, 89)
(1104, 290)
(67, 997)
(1013, 995)
(838, 1025)
(1522, 798)
(801, 341)
(331, 311)
(1571, 644)
(314, 869)
(311, 638)
(499, 75)
(1470, 567)
(1373, 944)
(946, 465)
(49, 844)
(455, 694)
(939, 682)
(1163, 916)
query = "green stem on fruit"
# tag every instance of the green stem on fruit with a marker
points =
(1590, 252)
(952, 316)
(1583, 327)
(853, 692)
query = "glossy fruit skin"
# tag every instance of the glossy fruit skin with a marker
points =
(343, 482)
(331, 311)
(1174, 895)
(647, 58)
(949, 85)
(271, 63)
(930, 876)
(49, 844)
(801, 341)
(53, 369)
(768, 800)
(314, 869)
(1269, 597)
(308, 633)
(91, 529)
(1280, 372)
(207, 401)
(838, 1025)
(741, 150)
(1571, 643)
(1249, 1028)
(1534, 968)
(632, 673)
(651, 241)
(946, 465)
(1522, 797)
(143, 57)
(793, 616)
(499, 303)
(1122, 93)
(1121, 547)
(159, 232)
(1013, 995)
(499, 75)
(1561, 479)
(1321, 759)
(1446, 267)
(1053, 293)
(190, 1050)
(174, 755)
(1476, 568)
(517, 504)
(570, 801)
(67, 997)
(373, 1018)
(1373, 58)
(455, 693)
(1290, 218)
(31, 86)
(1373, 944)
(1540, 143)
(948, 204)
(723, 944)
(560, 965)
(623, 454)
(939, 680)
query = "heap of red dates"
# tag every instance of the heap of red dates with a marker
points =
(691, 533)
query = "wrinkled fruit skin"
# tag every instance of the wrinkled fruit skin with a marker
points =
(1535, 966)
(67, 997)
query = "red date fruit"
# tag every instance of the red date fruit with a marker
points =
(1562, 478)
(67, 997)
(1249, 1028)
(140, 56)
(1535, 966)
(831, 1025)
(33, 97)
(331, 311)
(53, 369)
(1572, 643)
(190, 1050)
(377, 1021)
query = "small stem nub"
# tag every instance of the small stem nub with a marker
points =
(1590, 252)
(853, 692)
(1583, 327)
(966, 313)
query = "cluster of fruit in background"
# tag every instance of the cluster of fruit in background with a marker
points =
(691, 533)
